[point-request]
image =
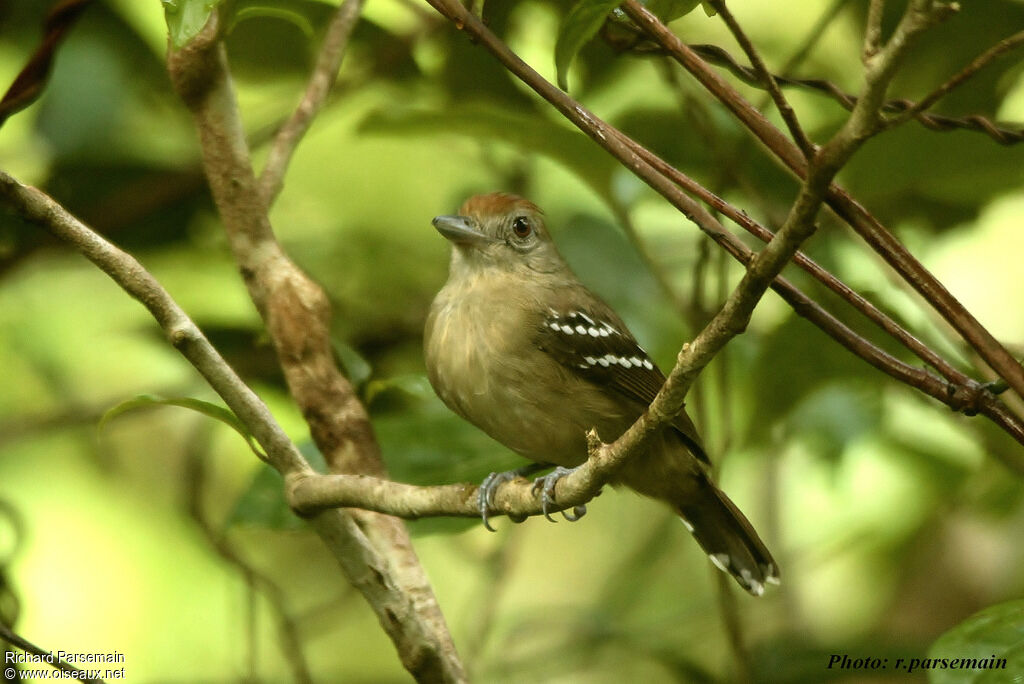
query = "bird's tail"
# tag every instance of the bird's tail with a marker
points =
(727, 536)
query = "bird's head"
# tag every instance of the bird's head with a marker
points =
(502, 231)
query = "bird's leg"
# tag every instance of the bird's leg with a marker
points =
(546, 486)
(485, 495)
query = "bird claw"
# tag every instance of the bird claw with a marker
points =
(546, 486)
(485, 494)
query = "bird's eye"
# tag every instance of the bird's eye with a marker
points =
(521, 226)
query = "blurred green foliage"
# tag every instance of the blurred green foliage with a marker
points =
(891, 517)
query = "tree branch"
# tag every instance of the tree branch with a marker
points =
(1004, 134)
(368, 571)
(976, 65)
(296, 312)
(766, 78)
(866, 225)
(873, 30)
(969, 396)
(320, 83)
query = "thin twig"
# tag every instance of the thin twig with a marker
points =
(28, 647)
(873, 30)
(766, 78)
(976, 65)
(814, 35)
(1004, 134)
(968, 398)
(319, 87)
(866, 225)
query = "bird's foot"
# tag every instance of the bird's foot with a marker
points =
(485, 494)
(545, 484)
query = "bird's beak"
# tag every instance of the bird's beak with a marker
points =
(461, 230)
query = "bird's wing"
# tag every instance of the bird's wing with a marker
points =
(595, 344)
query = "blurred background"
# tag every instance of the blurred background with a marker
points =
(161, 537)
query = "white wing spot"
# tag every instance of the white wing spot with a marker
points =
(689, 527)
(553, 325)
(648, 365)
(720, 560)
(590, 359)
(603, 361)
(581, 330)
(636, 361)
(593, 332)
(585, 317)
(567, 330)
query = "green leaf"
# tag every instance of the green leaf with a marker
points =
(581, 24)
(305, 14)
(214, 411)
(357, 368)
(668, 10)
(186, 18)
(585, 19)
(988, 637)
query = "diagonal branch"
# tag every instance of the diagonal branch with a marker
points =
(325, 72)
(1004, 134)
(296, 312)
(866, 225)
(767, 80)
(368, 570)
(969, 396)
(958, 79)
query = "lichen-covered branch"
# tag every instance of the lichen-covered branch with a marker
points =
(296, 312)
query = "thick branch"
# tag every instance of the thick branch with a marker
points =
(297, 315)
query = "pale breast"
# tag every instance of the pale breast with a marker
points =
(484, 365)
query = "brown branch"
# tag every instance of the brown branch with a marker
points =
(976, 65)
(315, 491)
(30, 82)
(1004, 134)
(366, 568)
(319, 87)
(767, 80)
(968, 397)
(296, 312)
(867, 226)
(873, 30)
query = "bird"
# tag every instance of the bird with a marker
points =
(518, 346)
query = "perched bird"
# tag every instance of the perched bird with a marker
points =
(519, 347)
